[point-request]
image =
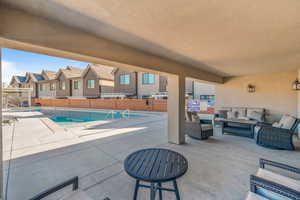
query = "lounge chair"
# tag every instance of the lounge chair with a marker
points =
(267, 184)
(278, 135)
(196, 128)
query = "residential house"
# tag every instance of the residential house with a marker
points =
(139, 84)
(18, 81)
(98, 80)
(31, 81)
(150, 83)
(125, 82)
(69, 82)
(47, 87)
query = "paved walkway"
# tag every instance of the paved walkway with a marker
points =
(37, 158)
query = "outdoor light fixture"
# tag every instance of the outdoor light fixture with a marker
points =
(296, 84)
(251, 88)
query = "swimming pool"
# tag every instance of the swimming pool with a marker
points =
(66, 117)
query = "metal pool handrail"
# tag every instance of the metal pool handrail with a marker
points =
(124, 113)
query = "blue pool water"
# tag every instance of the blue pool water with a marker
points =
(65, 117)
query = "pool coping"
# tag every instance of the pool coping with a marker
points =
(56, 127)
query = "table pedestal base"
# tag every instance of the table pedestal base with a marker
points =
(153, 189)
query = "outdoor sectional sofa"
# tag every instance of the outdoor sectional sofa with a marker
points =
(239, 121)
(278, 135)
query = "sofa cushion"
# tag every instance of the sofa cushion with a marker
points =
(226, 108)
(276, 125)
(206, 127)
(241, 112)
(250, 110)
(277, 178)
(269, 194)
(223, 114)
(258, 116)
(280, 179)
(253, 196)
(232, 115)
(287, 121)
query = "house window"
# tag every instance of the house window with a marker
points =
(148, 79)
(91, 83)
(76, 85)
(52, 86)
(124, 79)
(62, 85)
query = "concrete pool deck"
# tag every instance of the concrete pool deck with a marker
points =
(37, 158)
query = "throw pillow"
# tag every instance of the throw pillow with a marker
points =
(287, 121)
(258, 116)
(223, 114)
(250, 110)
(232, 115)
(241, 112)
(276, 124)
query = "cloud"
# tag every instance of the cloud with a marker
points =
(8, 70)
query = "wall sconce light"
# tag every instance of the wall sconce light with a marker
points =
(296, 84)
(251, 88)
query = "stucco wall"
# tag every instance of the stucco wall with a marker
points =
(273, 92)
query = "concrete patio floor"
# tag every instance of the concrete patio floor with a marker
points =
(37, 158)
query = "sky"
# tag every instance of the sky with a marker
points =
(15, 62)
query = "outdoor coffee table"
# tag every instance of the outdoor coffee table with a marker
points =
(155, 166)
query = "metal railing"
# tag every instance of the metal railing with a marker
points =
(110, 113)
(124, 113)
(73, 181)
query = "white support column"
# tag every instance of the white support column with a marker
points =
(1, 144)
(298, 102)
(29, 98)
(176, 109)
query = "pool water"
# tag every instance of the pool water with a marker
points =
(65, 117)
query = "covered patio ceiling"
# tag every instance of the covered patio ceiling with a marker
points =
(231, 37)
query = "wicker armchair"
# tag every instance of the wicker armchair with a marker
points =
(277, 138)
(196, 128)
(266, 186)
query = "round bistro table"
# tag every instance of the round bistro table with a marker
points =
(155, 166)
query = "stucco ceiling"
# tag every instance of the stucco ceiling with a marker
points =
(233, 37)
